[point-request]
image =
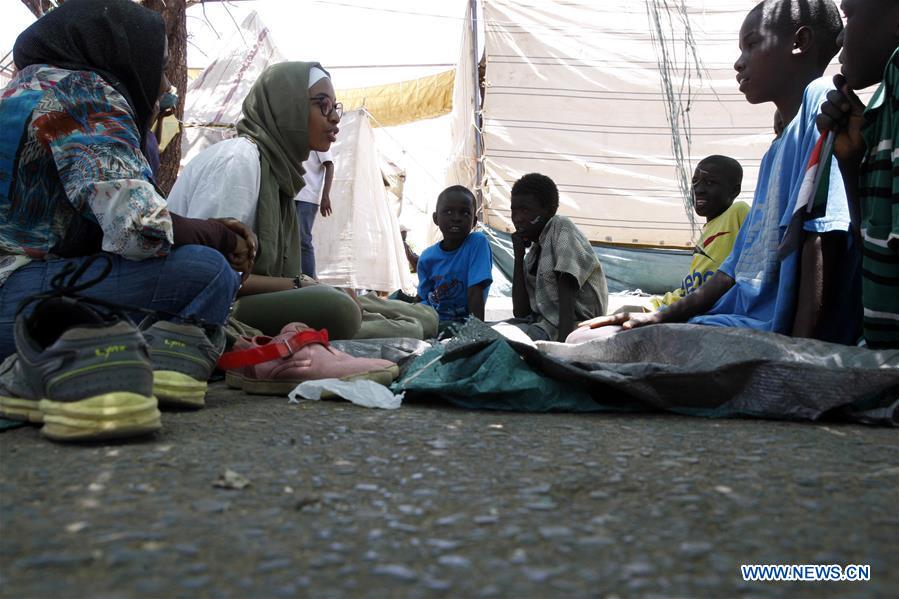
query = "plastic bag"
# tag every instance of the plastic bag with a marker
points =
(365, 393)
(394, 349)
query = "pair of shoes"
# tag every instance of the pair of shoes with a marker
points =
(264, 365)
(86, 372)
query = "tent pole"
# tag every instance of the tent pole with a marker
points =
(476, 107)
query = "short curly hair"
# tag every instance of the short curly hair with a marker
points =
(821, 16)
(539, 186)
(457, 190)
(730, 167)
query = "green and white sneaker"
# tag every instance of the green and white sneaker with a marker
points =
(84, 374)
(183, 357)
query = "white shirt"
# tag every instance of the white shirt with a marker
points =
(314, 177)
(223, 180)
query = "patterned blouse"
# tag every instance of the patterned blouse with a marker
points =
(70, 167)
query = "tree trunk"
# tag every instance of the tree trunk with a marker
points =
(175, 14)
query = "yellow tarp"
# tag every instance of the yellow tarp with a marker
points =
(403, 102)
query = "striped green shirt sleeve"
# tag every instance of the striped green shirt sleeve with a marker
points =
(879, 203)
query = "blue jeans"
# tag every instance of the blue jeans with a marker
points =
(306, 212)
(192, 280)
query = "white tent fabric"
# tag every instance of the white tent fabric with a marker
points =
(462, 163)
(574, 91)
(359, 245)
(213, 102)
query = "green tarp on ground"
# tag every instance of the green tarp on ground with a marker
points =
(472, 381)
(690, 369)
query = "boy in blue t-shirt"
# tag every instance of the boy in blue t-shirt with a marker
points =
(454, 275)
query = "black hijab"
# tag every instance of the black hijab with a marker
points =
(119, 40)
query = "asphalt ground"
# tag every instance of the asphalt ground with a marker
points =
(432, 501)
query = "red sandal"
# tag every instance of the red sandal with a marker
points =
(265, 365)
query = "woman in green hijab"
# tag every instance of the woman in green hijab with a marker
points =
(290, 110)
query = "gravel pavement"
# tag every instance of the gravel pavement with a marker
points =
(430, 501)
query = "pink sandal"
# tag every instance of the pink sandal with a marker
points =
(264, 365)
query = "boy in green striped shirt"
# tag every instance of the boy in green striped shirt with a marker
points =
(866, 144)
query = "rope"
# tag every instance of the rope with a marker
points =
(679, 93)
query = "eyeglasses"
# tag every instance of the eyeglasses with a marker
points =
(327, 106)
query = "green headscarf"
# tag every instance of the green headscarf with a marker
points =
(276, 118)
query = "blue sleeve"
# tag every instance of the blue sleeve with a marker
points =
(837, 216)
(480, 271)
(423, 276)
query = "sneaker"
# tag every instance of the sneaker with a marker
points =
(276, 365)
(183, 356)
(84, 374)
